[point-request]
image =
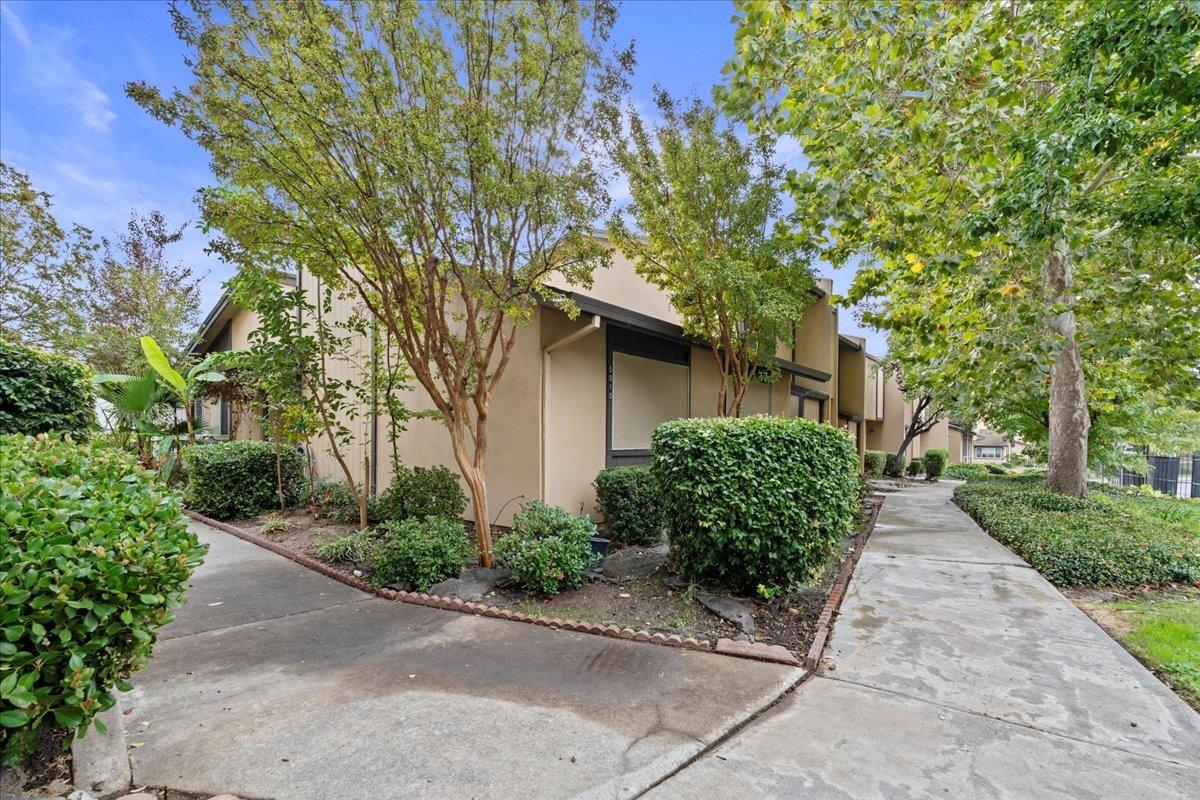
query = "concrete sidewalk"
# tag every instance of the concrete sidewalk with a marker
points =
(956, 671)
(277, 682)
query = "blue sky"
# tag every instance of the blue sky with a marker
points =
(65, 120)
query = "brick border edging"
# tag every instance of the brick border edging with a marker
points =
(757, 651)
(834, 601)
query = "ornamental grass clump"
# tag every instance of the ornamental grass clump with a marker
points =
(95, 556)
(756, 501)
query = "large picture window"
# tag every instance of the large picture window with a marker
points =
(988, 451)
(649, 382)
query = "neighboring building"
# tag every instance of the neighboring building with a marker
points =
(992, 447)
(893, 413)
(584, 394)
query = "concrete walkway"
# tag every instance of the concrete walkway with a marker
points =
(276, 682)
(956, 671)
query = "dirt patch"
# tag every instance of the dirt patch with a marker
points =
(661, 603)
(47, 770)
(302, 532)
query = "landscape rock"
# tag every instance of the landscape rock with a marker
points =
(730, 610)
(635, 562)
(139, 796)
(473, 585)
(676, 583)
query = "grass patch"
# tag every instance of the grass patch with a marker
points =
(1102, 540)
(1162, 628)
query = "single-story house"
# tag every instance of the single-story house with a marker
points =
(583, 394)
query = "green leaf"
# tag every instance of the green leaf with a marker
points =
(12, 719)
(69, 716)
(158, 360)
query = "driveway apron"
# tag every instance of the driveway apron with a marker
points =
(956, 671)
(277, 682)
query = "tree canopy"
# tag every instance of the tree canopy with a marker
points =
(430, 157)
(709, 233)
(1023, 185)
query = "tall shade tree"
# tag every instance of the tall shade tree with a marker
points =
(707, 230)
(1009, 171)
(430, 157)
(134, 290)
(40, 265)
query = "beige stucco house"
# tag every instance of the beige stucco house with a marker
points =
(583, 394)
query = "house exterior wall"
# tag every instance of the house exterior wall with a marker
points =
(548, 429)
(955, 437)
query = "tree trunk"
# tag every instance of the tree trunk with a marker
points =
(479, 506)
(1066, 471)
(362, 496)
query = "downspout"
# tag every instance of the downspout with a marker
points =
(592, 326)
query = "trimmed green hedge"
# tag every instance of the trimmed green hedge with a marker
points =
(422, 492)
(756, 501)
(95, 554)
(894, 465)
(236, 480)
(966, 470)
(935, 462)
(916, 466)
(873, 463)
(1075, 542)
(628, 499)
(421, 552)
(548, 550)
(42, 392)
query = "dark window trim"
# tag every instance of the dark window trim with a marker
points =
(631, 341)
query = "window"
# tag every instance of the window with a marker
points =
(649, 382)
(989, 451)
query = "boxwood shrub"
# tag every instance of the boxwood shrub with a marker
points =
(628, 499)
(548, 550)
(1080, 542)
(422, 492)
(420, 552)
(873, 462)
(935, 462)
(94, 556)
(916, 466)
(754, 501)
(42, 392)
(235, 480)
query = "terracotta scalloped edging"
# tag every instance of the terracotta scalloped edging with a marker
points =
(834, 601)
(757, 651)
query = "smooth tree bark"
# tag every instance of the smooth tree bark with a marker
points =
(1066, 471)
(925, 415)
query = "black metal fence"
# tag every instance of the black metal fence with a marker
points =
(1174, 475)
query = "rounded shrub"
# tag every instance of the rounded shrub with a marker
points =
(628, 499)
(95, 554)
(935, 462)
(996, 469)
(916, 466)
(422, 492)
(420, 552)
(42, 392)
(336, 501)
(757, 500)
(873, 463)
(235, 480)
(548, 549)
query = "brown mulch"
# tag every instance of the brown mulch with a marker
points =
(48, 767)
(656, 603)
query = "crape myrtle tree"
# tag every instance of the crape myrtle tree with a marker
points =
(708, 231)
(428, 157)
(1022, 180)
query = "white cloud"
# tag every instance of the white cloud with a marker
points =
(108, 188)
(49, 68)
